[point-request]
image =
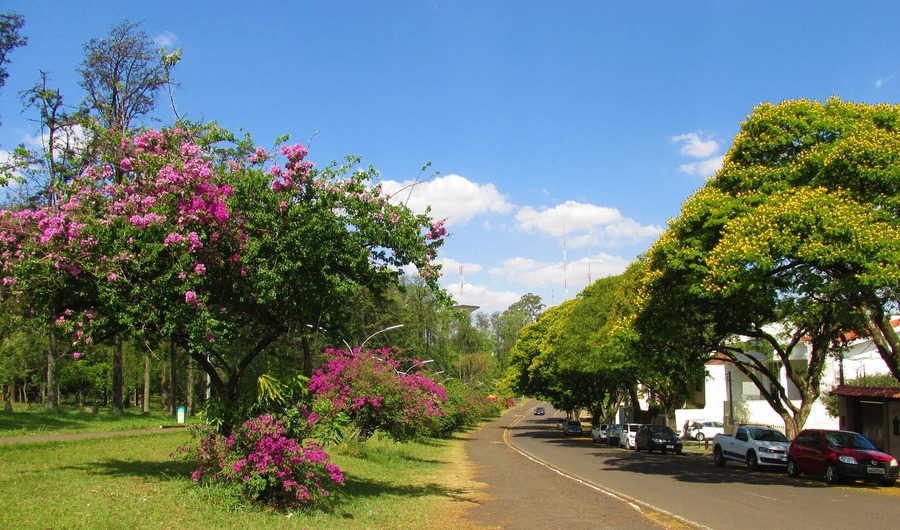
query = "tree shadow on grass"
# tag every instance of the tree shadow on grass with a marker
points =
(139, 469)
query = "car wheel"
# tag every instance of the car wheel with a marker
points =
(832, 475)
(678, 452)
(700, 437)
(718, 457)
(888, 482)
(792, 470)
(638, 448)
(752, 463)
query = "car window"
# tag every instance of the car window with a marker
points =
(741, 435)
(768, 435)
(849, 440)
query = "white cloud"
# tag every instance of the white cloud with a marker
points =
(695, 146)
(485, 299)
(704, 168)
(584, 225)
(165, 39)
(451, 197)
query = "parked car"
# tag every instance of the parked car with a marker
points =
(573, 428)
(629, 431)
(598, 433)
(657, 438)
(560, 424)
(754, 445)
(614, 434)
(539, 411)
(839, 456)
(702, 429)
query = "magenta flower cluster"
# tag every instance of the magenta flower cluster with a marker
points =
(375, 394)
(264, 465)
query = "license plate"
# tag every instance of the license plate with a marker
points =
(670, 447)
(875, 470)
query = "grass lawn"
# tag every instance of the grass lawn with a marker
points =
(39, 421)
(131, 482)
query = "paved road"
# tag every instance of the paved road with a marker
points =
(689, 488)
(526, 494)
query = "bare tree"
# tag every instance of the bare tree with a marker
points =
(121, 76)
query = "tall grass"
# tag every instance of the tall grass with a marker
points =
(131, 482)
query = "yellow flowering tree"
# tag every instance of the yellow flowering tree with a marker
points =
(793, 242)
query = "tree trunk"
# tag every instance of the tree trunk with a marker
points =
(146, 383)
(172, 380)
(189, 388)
(117, 375)
(307, 358)
(163, 388)
(52, 392)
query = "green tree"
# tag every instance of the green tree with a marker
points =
(775, 255)
(223, 252)
(121, 76)
(11, 25)
(820, 197)
(506, 325)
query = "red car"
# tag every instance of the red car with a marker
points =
(839, 456)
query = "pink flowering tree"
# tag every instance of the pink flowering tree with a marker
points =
(370, 389)
(190, 234)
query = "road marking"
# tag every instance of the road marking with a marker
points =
(763, 496)
(654, 513)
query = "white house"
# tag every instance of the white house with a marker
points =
(727, 395)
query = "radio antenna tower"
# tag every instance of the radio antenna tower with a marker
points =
(462, 296)
(565, 267)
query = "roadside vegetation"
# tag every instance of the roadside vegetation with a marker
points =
(132, 482)
(295, 307)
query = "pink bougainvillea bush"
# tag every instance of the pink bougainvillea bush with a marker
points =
(370, 389)
(263, 465)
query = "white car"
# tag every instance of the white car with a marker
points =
(629, 431)
(598, 433)
(702, 429)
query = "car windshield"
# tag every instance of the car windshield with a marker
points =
(848, 440)
(768, 435)
(660, 429)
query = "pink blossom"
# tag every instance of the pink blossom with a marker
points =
(191, 298)
(76, 355)
(125, 164)
(112, 276)
(200, 269)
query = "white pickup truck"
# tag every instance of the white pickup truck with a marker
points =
(755, 446)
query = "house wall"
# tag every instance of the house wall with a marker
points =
(892, 445)
(749, 407)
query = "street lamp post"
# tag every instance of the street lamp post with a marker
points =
(395, 326)
(417, 365)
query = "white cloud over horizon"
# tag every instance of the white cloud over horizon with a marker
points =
(704, 168)
(585, 225)
(451, 197)
(694, 145)
(165, 39)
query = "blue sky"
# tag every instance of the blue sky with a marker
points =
(589, 122)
